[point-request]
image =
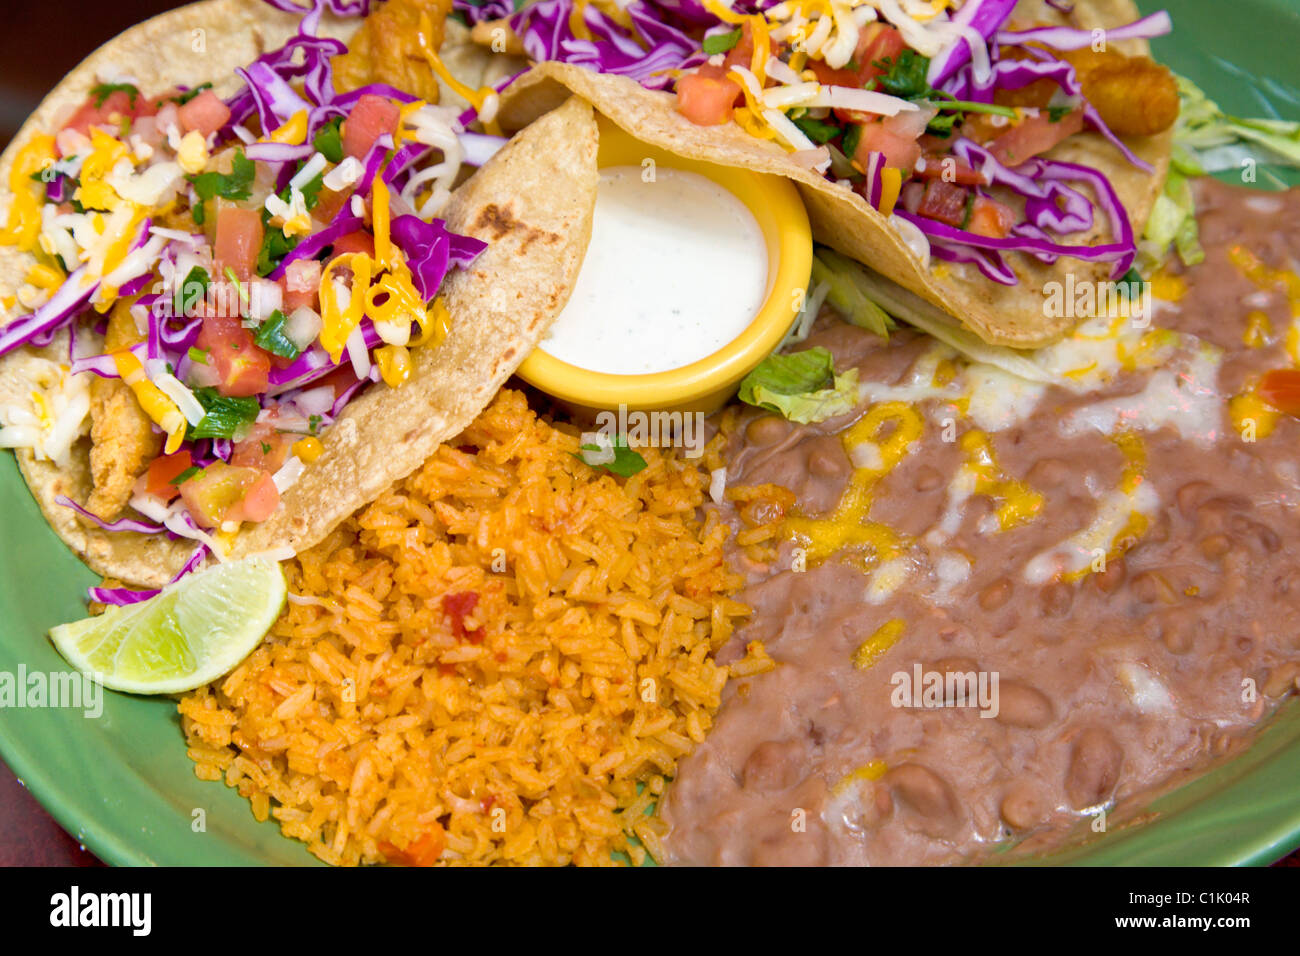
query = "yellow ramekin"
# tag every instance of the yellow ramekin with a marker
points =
(704, 385)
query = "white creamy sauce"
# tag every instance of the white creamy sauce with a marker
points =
(675, 270)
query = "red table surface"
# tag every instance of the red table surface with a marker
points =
(30, 837)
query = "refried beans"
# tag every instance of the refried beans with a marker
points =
(1112, 557)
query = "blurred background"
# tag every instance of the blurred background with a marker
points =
(44, 39)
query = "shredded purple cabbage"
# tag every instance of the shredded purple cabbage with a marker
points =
(121, 597)
(1068, 38)
(656, 43)
(310, 247)
(985, 17)
(122, 524)
(431, 249)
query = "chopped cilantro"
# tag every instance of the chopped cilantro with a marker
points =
(191, 292)
(313, 424)
(266, 448)
(721, 42)
(311, 190)
(185, 475)
(180, 99)
(198, 214)
(942, 125)
(904, 75)
(816, 130)
(104, 90)
(275, 246)
(270, 337)
(1057, 113)
(852, 136)
(329, 142)
(232, 185)
(224, 416)
(1130, 284)
(239, 286)
(970, 209)
(626, 461)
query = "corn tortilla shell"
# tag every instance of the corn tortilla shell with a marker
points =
(1003, 315)
(532, 202)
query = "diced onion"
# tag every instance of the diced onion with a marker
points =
(303, 327)
(288, 474)
(344, 174)
(718, 485)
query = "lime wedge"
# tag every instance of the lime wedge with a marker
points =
(184, 637)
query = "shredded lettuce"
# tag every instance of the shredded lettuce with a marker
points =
(1203, 128)
(802, 386)
(932, 320)
(1172, 222)
(847, 295)
(1207, 140)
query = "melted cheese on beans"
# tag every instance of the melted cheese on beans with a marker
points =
(974, 402)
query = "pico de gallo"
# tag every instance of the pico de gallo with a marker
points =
(936, 112)
(244, 265)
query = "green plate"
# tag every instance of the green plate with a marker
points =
(122, 785)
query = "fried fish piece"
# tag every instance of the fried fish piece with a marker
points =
(123, 441)
(386, 49)
(1134, 95)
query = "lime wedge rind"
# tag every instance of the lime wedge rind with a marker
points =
(190, 634)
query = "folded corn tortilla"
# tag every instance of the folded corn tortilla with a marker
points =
(532, 203)
(1002, 315)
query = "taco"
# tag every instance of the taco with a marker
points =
(247, 284)
(973, 156)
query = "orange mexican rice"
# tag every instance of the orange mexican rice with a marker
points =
(489, 662)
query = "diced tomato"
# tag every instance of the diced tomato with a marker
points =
(950, 168)
(115, 107)
(423, 851)
(239, 239)
(877, 42)
(328, 204)
(944, 202)
(1034, 135)
(264, 449)
(1281, 389)
(829, 77)
(242, 368)
(900, 151)
(910, 196)
(991, 218)
(259, 502)
(205, 113)
(218, 493)
(742, 54)
(371, 117)
(341, 379)
(359, 241)
(459, 606)
(301, 284)
(707, 97)
(910, 124)
(163, 471)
